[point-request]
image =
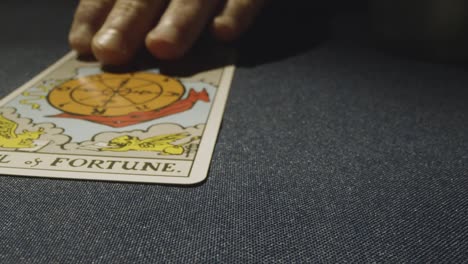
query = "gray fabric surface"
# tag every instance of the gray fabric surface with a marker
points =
(335, 152)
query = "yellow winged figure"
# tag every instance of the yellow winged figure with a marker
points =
(9, 138)
(163, 144)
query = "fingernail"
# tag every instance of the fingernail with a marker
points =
(165, 32)
(165, 42)
(82, 31)
(224, 28)
(80, 39)
(111, 39)
(224, 21)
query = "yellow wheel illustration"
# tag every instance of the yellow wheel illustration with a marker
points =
(116, 94)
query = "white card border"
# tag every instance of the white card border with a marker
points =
(200, 164)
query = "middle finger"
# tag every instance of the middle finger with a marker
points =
(179, 27)
(125, 28)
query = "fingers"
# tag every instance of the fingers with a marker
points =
(179, 27)
(124, 30)
(235, 18)
(114, 29)
(89, 17)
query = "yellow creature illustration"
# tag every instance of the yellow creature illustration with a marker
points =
(162, 144)
(9, 138)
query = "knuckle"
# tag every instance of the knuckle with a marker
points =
(93, 5)
(89, 9)
(245, 4)
(207, 2)
(196, 3)
(132, 6)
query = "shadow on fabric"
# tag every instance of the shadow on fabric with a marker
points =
(283, 31)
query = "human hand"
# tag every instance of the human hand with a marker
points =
(113, 30)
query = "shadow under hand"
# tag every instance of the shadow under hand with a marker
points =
(206, 55)
(284, 30)
(280, 31)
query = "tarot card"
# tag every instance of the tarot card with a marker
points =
(78, 121)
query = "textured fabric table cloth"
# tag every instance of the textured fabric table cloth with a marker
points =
(331, 150)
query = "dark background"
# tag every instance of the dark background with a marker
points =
(331, 150)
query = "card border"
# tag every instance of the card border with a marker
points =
(200, 164)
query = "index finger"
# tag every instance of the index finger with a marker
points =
(89, 17)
